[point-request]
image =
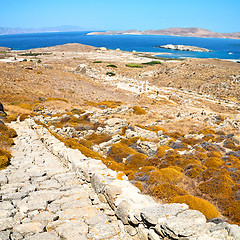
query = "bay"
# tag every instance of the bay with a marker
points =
(221, 48)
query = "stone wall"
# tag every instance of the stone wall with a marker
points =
(142, 217)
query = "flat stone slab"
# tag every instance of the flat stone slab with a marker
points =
(42, 199)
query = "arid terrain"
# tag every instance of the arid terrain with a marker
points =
(185, 32)
(172, 126)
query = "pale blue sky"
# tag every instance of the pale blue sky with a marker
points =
(215, 15)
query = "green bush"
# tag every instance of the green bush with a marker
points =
(111, 74)
(134, 65)
(111, 65)
(152, 63)
(97, 62)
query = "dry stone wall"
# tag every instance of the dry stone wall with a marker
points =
(142, 217)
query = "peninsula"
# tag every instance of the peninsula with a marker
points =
(184, 48)
(183, 32)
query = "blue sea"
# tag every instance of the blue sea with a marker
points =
(221, 48)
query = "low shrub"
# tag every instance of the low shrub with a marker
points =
(110, 74)
(77, 111)
(213, 162)
(4, 162)
(167, 192)
(139, 111)
(106, 104)
(218, 186)
(199, 204)
(135, 161)
(193, 170)
(165, 175)
(56, 99)
(162, 151)
(23, 117)
(118, 151)
(134, 65)
(152, 63)
(98, 138)
(97, 62)
(112, 66)
(10, 118)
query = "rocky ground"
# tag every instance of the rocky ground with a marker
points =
(42, 199)
(171, 126)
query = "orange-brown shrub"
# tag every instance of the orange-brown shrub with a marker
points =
(191, 141)
(199, 204)
(118, 151)
(108, 104)
(189, 159)
(138, 184)
(230, 144)
(4, 162)
(23, 117)
(139, 111)
(218, 186)
(167, 191)
(214, 154)
(155, 129)
(136, 160)
(165, 175)
(162, 150)
(207, 131)
(213, 162)
(98, 138)
(10, 118)
(193, 170)
(201, 156)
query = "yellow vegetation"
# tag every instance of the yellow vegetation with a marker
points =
(23, 117)
(214, 154)
(6, 141)
(118, 151)
(218, 186)
(56, 99)
(162, 150)
(207, 131)
(98, 138)
(167, 191)
(194, 171)
(139, 185)
(10, 118)
(139, 111)
(105, 104)
(4, 162)
(213, 162)
(135, 161)
(165, 175)
(199, 204)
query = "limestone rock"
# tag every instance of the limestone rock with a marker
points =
(73, 230)
(152, 214)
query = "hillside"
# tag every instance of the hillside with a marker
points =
(184, 32)
(171, 126)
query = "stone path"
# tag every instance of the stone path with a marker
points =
(42, 199)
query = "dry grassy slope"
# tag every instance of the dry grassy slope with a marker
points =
(214, 77)
(26, 85)
(55, 77)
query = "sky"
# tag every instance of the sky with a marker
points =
(215, 15)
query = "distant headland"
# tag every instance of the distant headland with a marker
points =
(184, 32)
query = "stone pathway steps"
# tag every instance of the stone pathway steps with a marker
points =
(42, 199)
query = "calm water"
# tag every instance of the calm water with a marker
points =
(221, 48)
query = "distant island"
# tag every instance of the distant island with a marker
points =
(184, 48)
(6, 30)
(184, 32)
